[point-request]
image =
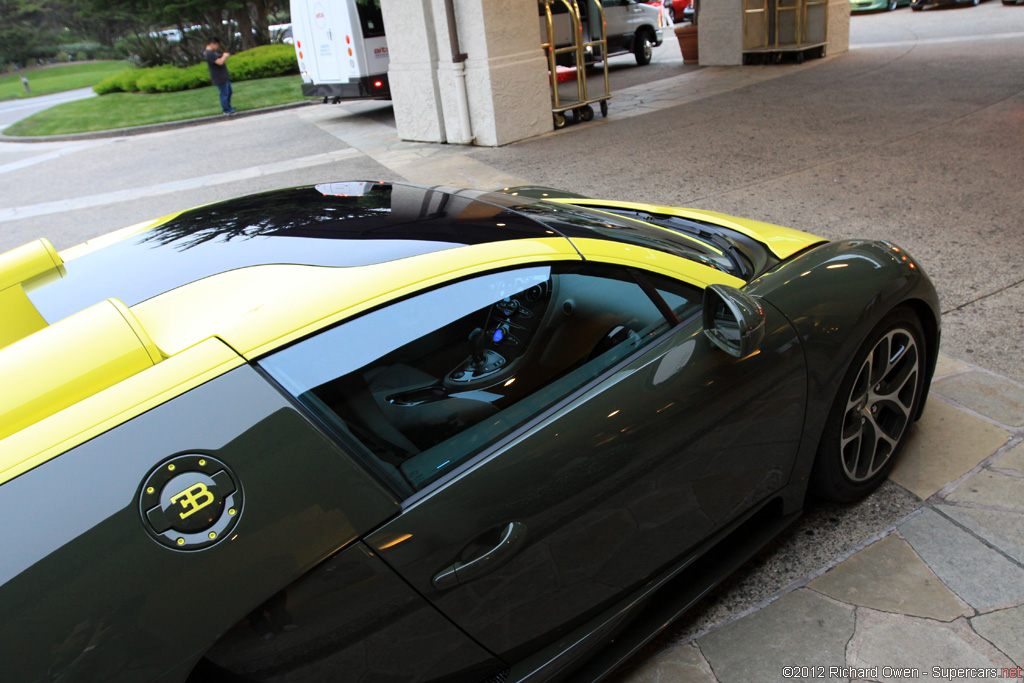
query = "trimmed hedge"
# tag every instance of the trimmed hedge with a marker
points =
(265, 61)
(126, 81)
(173, 79)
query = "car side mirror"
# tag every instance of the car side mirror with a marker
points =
(733, 321)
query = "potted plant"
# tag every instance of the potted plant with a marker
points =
(687, 37)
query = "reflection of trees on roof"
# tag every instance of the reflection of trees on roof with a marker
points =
(299, 212)
(308, 212)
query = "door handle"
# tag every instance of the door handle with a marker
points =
(512, 537)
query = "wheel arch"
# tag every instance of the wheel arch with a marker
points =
(644, 30)
(834, 295)
(932, 335)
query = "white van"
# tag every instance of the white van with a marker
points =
(630, 26)
(342, 51)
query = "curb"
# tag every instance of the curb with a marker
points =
(153, 127)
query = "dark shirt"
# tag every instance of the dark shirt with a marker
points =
(218, 72)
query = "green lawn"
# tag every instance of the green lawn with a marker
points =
(58, 78)
(123, 110)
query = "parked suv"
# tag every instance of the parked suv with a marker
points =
(631, 26)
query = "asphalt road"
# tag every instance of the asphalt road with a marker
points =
(12, 111)
(915, 135)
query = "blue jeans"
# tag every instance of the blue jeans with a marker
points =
(225, 97)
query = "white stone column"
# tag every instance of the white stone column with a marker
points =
(506, 73)
(720, 32)
(506, 83)
(412, 73)
(838, 38)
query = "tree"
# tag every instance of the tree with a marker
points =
(32, 28)
(20, 34)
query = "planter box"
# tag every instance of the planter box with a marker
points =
(687, 37)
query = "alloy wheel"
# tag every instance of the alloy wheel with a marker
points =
(880, 405)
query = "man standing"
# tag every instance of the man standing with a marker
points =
(219, 73)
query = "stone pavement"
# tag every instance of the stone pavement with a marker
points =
(455, 165)
(939, 595)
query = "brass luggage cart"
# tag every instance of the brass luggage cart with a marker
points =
(574, 40)
(772, 28)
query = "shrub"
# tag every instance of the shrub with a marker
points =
(125, 81)
(173, 79)
(265, 61)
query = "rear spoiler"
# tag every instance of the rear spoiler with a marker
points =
(46, 368)
(21, 268)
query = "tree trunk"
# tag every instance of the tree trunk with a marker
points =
(244, 23)
(260, 24)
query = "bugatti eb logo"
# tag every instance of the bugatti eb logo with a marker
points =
(193, 499)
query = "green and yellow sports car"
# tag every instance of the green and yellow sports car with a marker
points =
(874, 5)
(369, 431)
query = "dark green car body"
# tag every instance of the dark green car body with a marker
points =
(594, 514)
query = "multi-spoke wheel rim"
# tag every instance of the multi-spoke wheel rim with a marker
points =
(879, 408)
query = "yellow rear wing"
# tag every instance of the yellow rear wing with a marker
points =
(21, 269)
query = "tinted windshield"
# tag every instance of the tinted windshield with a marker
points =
(370, 18)
(578, 221)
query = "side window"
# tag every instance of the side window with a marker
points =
(370, 18)
(418, 387)
(685, 300)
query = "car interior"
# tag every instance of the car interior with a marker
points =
(422, 408)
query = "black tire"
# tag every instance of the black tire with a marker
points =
(585, 113)
(872, 413)
(559, 120)
(672, 13)
(643, 47)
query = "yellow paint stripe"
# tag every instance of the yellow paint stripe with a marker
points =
(342, 293)
(76, 424)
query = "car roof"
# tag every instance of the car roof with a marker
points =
(108, 330)
(114, 327)
(349, 224)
